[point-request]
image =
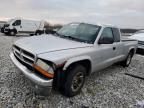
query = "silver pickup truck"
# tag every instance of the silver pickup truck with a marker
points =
(65, 59)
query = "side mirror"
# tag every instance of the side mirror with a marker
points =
(106, 40)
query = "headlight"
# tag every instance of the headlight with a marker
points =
(44, 68)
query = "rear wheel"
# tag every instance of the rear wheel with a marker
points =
(38, 33)
(74, 80)
(127, 62)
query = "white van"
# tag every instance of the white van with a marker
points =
(139, 36)
(31, 27)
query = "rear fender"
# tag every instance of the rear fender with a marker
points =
(132, 48)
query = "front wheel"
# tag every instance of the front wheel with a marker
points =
(74, 80)
(12, 33)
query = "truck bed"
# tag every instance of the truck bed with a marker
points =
(127, 39)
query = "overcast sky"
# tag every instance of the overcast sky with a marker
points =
(123, 13)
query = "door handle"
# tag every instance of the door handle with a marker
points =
(114, 48)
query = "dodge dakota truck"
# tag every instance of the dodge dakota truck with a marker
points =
(63, 60)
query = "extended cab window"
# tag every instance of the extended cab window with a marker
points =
(116, 33)
(106, 36)
(17, 23)
(107, 32)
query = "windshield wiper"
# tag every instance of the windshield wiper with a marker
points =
(77, 39)
(73, 38)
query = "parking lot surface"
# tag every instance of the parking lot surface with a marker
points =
(109, 88)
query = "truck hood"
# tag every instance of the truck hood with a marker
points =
(139, 37)
(48, 43)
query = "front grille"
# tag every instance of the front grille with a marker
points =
(25, 64)
(141, 42)
(23, 56)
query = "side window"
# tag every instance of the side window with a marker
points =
(116, 34)
(107, 32)
(17, 23)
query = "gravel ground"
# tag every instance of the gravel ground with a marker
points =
(109, 88)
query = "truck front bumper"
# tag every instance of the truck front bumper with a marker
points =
(38, 81)
(6, 30)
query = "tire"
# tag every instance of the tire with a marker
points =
(12, 33)
(127, 61)
(74, 80)
(39, 32)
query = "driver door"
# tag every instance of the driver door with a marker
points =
(105, 49)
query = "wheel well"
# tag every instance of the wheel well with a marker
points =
(60, 76)
(132, 51)
(85, 63)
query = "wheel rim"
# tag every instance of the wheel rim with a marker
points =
(128, 60)
(12, 33)
(78, 81)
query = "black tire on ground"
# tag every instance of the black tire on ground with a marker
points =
(39, 32)
(74, 80)
(127, 61)
(12, 33)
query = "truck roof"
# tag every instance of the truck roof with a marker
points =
(99, 24)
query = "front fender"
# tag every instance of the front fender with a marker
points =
(76, 59)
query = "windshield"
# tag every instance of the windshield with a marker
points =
(80, 32)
